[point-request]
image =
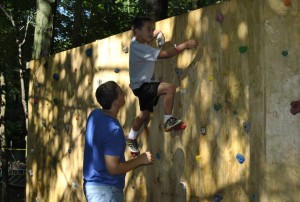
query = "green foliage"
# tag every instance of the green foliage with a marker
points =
(9, 64)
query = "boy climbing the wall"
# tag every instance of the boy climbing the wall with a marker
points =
(142, 58)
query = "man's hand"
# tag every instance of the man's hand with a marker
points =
(146, 158)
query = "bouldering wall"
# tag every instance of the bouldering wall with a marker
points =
(240, 142)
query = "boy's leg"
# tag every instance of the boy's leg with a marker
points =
(137, 124)
(168, 90)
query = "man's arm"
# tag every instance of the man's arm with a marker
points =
(114, 166)
(177, 49)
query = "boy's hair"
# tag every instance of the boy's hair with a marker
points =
(139, 21)
(107, 93)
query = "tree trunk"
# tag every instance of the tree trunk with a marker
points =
(157, 9)
(43, 28)
(4, 154)
(77, 24)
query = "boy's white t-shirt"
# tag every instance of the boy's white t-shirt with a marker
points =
(142, 58)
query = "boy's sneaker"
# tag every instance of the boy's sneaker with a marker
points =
(133, 146)
(171, 123)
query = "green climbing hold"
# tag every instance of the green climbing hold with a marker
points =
(284, 53)
(217, 106)
(243, 49)
(55, 101)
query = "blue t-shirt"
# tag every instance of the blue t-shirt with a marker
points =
(104, 136)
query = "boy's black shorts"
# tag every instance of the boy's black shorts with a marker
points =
(147, 95)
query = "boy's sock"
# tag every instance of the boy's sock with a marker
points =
(166, 117)
(132, 134)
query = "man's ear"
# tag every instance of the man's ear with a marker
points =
(137, 31)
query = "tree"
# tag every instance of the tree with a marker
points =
(157, 9)
(14, 30)
(43, 35)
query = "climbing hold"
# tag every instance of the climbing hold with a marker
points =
(89, 52)
(46, 65)
(179, 72)
(160, 39)
(67, 127)
(247, 126)
(158, 156)
(117, 70)
(74, 185)
(183, 91)
(240, 158)
(30, 172)
(210, 78)
(55, 76)
(234, 112)
(69, 151)
(220, 17)
(198, 157)
(287, 2)
(284, 53)
(35, 100)
(243, 49)
(254, 197)
(295, 107)
(217, 106)
(55, 101)
(181, 126)
(37, 84)
(183, 185)
(44, 123)
(77, 117)
(125, 49)
(203, 131)
(218, 197)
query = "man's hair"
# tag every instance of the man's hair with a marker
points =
(107, 93)
(139, 21)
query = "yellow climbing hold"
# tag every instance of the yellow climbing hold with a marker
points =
(198, 157)
(211, 78)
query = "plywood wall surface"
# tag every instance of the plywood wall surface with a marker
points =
(233, 94)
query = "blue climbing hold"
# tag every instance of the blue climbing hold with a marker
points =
(254, 197)
(89, 52)
(240, 158)
(247, 126)
(117, 70)
(178, 71)
(218, 197)
(55, 76)
(158, 156)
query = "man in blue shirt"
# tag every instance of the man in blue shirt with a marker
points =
(104, 166)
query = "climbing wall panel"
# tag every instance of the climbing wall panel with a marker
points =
(233, 95)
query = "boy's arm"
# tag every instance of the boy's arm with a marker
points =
(177, 49)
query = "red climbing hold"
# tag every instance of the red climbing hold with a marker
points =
(181, 126)
(295, 107)
(287, 2)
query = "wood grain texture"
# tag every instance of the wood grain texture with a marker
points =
(236, 85)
